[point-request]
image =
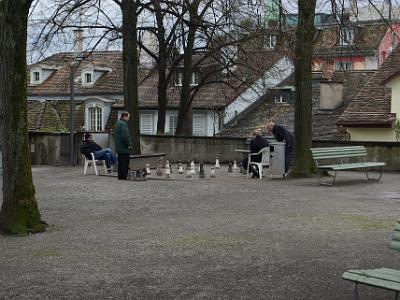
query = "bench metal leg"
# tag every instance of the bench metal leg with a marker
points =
(355, 294)
(372, 178)
(327, 183)
(396, 296)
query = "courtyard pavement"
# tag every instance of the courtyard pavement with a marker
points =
(215, 238)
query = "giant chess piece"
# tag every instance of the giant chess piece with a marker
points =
(148, 170)
(235, 167)
(188, 165)
(212, 172)
(217, 165)
(158, 171)
(167, 170)
(192, 170)
(189, 174)
(230, 169)
(167, 164)
(170, 169)
(180, 169)
(201, 172)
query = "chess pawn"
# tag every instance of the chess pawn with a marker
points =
(167, 171)
(230, 169)
(180, 169)
(235, 167)
(148, 170)
(201, 172)
(217, 165)
(167, 164)
(189, 174)
(192, 170)
(212, 172)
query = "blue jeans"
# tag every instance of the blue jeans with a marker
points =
(107, 155)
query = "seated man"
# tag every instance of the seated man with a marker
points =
(106, 154)
(256, 144)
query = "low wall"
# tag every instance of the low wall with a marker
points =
(388, 152)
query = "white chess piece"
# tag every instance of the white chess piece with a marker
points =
(212, 172)
(217, 165)
(192, 170)
(235, 167)
(148, 170)
(180, 169)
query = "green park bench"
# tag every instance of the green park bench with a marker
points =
(343, 158)
(383, 278)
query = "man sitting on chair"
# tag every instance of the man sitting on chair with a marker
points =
(106, 154)
(256, 144)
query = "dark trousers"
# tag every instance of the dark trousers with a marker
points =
(123, 165)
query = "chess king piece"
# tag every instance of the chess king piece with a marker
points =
(158, 171)
(217, 165)
(201, 172)
(230, 169)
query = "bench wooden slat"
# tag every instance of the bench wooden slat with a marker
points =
(395, 245)
(352, 166)
(357, 276)
(383, 273)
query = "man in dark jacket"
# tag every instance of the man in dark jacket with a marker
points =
(89, 146)
(281, 134)
(256, 144)
(122, 145)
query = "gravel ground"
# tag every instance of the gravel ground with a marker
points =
(215, 238)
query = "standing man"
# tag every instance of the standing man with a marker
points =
(281, 134)
(122, 145)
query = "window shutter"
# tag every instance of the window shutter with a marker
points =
(199, 125)
(146, 123)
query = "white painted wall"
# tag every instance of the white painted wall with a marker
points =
(282, 69)
(372, 134)
(371, 63)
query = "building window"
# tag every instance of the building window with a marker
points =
(95, 119)
(344, 66)
(195, 78)
(346, 36)
(36, 76)
(270, 41)
(199, 125)
(172, 124)
(178, 78)
(87, 78)
(146, 123)
(280, 98)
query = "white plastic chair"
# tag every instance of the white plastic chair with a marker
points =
(93, 161)
(264, 161)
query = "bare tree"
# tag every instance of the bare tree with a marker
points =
(19, 211)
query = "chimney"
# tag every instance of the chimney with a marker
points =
(78, 42)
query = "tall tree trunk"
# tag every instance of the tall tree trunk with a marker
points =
(19, 211)
(162, 71)
(304, 165)
(184, 125)
(130, 65)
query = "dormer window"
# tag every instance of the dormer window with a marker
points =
(194, 80)
(346, 36)
(88, 77)
(270, 41)
(36, 77)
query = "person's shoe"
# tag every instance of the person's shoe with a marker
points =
(109, 172)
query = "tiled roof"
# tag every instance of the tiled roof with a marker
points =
(53, 116)
(213, 94)
(367, 38)
(371, 107)
(324, 122)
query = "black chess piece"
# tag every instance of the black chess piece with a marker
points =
(230, 169)
(201, 172)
